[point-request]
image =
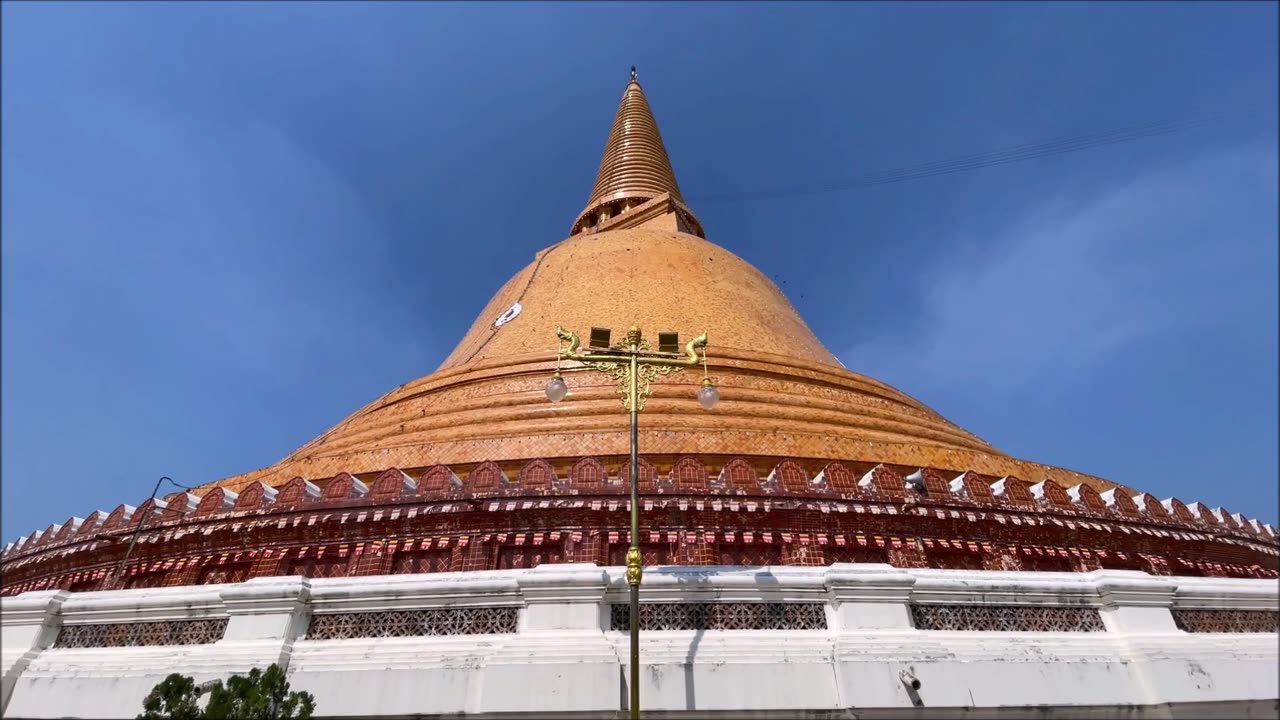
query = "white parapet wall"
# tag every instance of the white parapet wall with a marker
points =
(845, 641)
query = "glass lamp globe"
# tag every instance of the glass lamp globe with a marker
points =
(556, 389)
(708, 396)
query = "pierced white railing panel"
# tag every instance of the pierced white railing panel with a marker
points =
(414, 623)
(172, 632)
(722, 616)
(1006, 618)
(1227, 621)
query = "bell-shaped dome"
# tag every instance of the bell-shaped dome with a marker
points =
(635, 256)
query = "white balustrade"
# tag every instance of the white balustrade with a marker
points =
(717, 641)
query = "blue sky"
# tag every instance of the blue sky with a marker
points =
(225, 227)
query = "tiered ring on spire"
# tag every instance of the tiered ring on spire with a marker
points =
(635, 167)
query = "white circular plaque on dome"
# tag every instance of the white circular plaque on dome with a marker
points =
(507, 316)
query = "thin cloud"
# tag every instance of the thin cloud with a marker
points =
(1084, 276)
(192, 281)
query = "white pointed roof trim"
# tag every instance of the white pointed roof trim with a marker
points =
(866, 480)
(96, 518)
(228, 499)
(1074, 491)
(408, 484)
(820, 480)
(1141, 501)
(770, 479)
(1037, 491)
(50, 532)
(999, 488)
(309, 489)
(1198, 509)
(187, 501)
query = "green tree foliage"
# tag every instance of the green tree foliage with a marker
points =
(258, 696)
(173, 699)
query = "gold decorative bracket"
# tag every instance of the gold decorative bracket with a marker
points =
(619, 362)
(634, 570)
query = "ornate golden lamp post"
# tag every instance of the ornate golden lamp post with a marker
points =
(634, 365)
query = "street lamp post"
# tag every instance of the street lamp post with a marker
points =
(634, 366)
(138, 530)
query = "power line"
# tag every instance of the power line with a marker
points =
(1016, 153)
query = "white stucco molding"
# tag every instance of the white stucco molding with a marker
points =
(580, 586)
(264, 618)
(1173, 666)
(1134, 602)
(400, 592)
(28, 624)
(29, 616)
(563, 659)
(563, 597)
(559, 648)
(144, 605)
(1225, 593)
(868, 596)
(111, 681)
(265, 595)
(1132, 588)
(987, 587)
(724, 583)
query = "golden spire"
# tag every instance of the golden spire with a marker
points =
(634, 168)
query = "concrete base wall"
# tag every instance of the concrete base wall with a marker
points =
(551, 649)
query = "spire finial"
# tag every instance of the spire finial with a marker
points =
(634, 168)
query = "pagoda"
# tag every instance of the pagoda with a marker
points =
(802, 462)
(804, 468)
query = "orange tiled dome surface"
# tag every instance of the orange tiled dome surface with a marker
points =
(783, 394)
(636, 257)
